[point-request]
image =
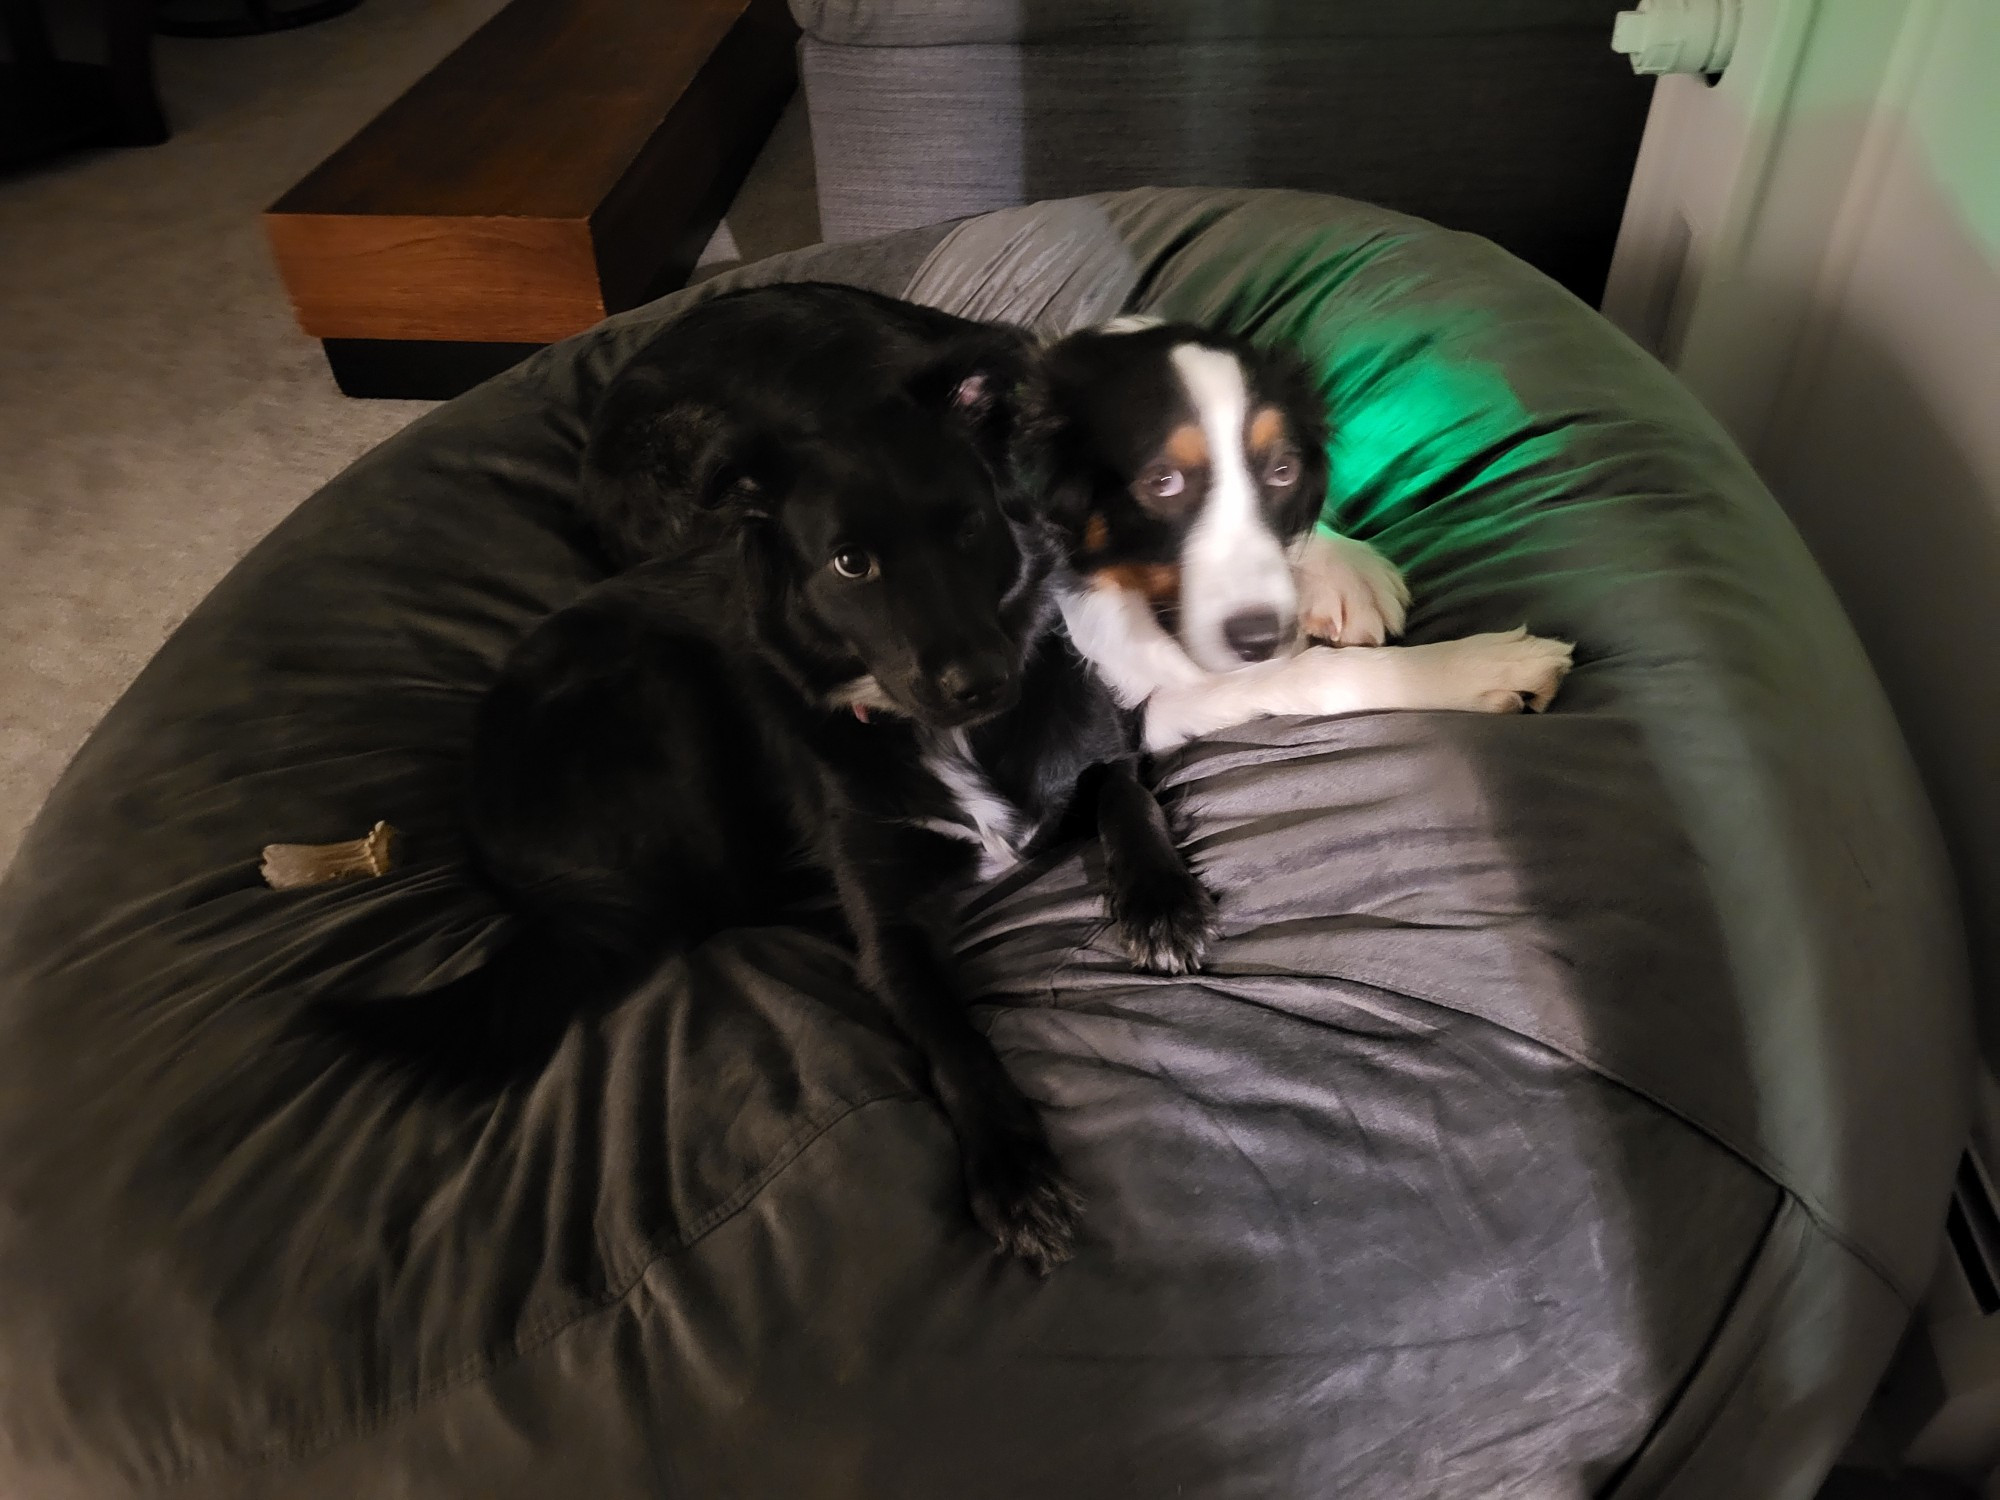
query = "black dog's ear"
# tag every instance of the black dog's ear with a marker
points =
(652, 467)
(975, 397)
(986, 385)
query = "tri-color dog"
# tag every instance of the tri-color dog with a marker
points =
(1189, 472)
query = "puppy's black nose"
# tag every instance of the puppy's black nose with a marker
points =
(1253, 634)
(968, 685)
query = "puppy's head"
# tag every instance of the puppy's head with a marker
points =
(880, 513)
(1185, 464)
(901, 536)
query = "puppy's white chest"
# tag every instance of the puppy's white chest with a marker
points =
(981, 815)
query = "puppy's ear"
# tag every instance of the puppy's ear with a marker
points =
(984, 385)
(1054, 466)
(1066, 505)
(651, 470)
(975, 395)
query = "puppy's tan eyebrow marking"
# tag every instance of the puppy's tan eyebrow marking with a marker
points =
(1096, 533)
(1187, 447)
(1267, 428)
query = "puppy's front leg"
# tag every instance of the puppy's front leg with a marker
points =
(1163, 915)
(1016, 1186)
(1503, 672)
(1349, 594)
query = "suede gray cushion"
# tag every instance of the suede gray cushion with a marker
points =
(1569, 1107)
(933, 23)
(1512, 119)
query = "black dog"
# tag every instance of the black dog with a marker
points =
(833, 657)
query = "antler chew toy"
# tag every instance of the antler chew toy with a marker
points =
(290, 867)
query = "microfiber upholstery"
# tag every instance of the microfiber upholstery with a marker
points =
(1569, 1108)
(1510, 118)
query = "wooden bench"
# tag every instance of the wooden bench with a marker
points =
(568, 161)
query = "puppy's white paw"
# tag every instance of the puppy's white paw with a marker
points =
(1349, 593)
(1504, 672)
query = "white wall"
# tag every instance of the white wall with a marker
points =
(1814, 244)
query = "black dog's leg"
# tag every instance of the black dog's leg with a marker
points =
(1016, 1186)
(1164, 917)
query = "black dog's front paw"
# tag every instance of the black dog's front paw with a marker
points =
(1166, 921)
(1020, 1197)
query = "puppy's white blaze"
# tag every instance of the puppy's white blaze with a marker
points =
(1130, 323)
(1231, 561)
(990, 821)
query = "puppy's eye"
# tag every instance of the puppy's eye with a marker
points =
(970, 533)
(852, 562)
(1283, 470)
(1163, 484)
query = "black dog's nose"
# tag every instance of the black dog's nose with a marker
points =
(967, 685)
(1254, 634)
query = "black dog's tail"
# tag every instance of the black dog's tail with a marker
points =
(571, 951)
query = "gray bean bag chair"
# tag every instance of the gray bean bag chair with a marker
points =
(1569, 1108)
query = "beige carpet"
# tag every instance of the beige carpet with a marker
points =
(159, 411)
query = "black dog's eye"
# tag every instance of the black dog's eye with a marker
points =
(1163, 484)
(970, 533)
(852, 562)
(1283, 469)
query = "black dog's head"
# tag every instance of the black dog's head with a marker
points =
(1186, 463)
(898, 538)
(862, 458)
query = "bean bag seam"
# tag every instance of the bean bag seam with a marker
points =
(1732, 1303)
(1568, 1045)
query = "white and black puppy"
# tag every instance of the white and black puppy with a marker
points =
(1189, 471)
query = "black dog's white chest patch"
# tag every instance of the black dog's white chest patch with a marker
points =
(981, 815)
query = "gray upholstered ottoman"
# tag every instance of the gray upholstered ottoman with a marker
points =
(1569, 1107)
(1513, 119)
